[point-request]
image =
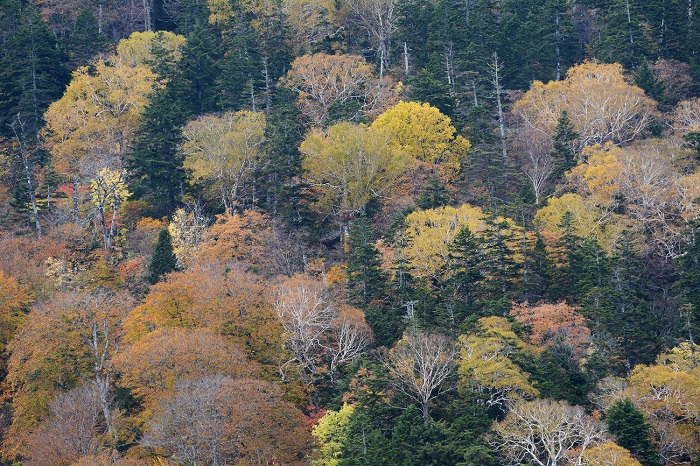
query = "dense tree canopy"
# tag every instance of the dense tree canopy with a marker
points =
(349, 232)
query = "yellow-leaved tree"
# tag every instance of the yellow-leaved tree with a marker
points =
(109, 191)
(670, 400)
(601, 104)
(425, 133)
(348, 165)
(225, 151)
(430, 232)
(92, 125)
(589, 220)
(144, 48)
(485, 366)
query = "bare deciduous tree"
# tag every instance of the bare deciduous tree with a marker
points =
(546, 433)
(420, 363)
(378, 19)
(319, 335)
(306, 313)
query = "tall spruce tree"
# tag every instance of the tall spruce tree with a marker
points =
(199, 71)
(539, 265)
(163, 260)
(85, 40)
(465, 285)
(562, 148)
(366, 281)
(367, 284)
(32, 72)
(155, 162)
(631, 322)
(626, 422)
(565, 275)
(499, 266)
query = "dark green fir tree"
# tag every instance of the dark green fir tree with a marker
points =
(367, 283)
(566, 255)
(537, 282)
(163, 260)
(155, 162)
(626, 422)
(434, 194)
(563, 146)
(651, 86)
(465, 284)
(85, 40)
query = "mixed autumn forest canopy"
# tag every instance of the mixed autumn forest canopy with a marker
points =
(349, 232)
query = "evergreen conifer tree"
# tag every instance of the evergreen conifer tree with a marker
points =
(366, 281)
(630, 321)
(627, 423)
(85, 41)
(163, 260)
(155, 161)
(644, 79)
(434, 194)
(562, 149)
(465, 284)
(499, 266)
(32, 73)
(566, 274)
(367, 284)
(539, 266)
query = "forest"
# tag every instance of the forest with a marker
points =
(349, 232)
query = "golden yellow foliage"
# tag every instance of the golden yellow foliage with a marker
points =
(424, 132)
(600, 103)
(331, 434)
(670, 400)
(608, 454)
(98, 114)
(588, 220)
(598, 176)
(348, 165)
(429, 233)
(138, 48)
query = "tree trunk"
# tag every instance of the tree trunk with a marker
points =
(28, 170)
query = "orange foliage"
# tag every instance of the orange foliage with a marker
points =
(241, 237)
(14, 301)
(238, 421)
(228, 301)
(553, 323)
(72, 337)
(161, 359)
(24, 257)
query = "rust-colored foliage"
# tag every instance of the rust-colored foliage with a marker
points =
(552, 324)
(221, 420)
(227, 300)
(241, 237)
(157, 362)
